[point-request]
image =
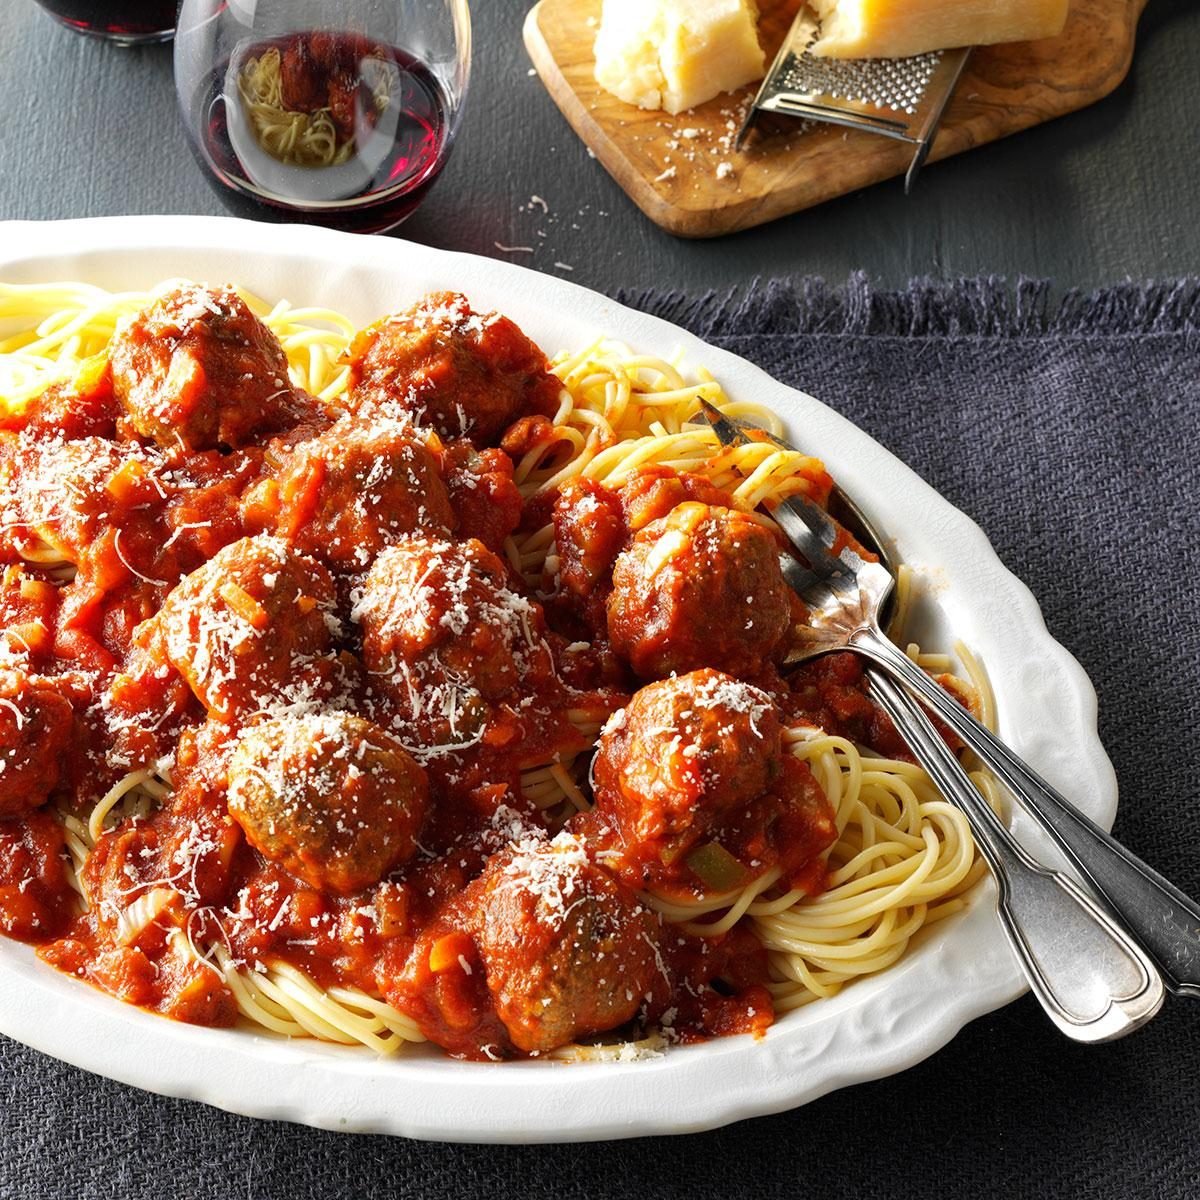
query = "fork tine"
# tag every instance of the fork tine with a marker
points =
(733, 431)
(729, 432)
(797, 512)
(808, 542)
(737, 431)
(807, 526)
(804, 581)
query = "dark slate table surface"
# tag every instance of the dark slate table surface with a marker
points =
(1103, 195)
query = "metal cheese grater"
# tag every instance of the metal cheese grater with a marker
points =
(902, 98)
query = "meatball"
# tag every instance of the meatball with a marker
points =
(303, 82)
(589, 533)
(444, 637)
(544, 947)
(352, 490)
(323, 70)
(250, 625)
(482, 493)
(36, 728)
(684, 753)
(696, 792)
(330, 797)
(36, 901)
(464, 373)
(59, 499)
(197, 367)
(700, 587)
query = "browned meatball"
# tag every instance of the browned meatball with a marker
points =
(683, 753)
(589, 533)
(444, 637)
(482, 493)
(330, 797)
(466, 374)
(302, 80)
(544, 947)
(251, 625)
(58, 497)
(700, 587)
(36, 725)
(355, 488)
(197, 367)
(696, 792)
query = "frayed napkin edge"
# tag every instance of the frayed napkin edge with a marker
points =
(982, 307)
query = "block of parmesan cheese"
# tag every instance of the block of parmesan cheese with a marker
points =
(898, 28)
(675, 54)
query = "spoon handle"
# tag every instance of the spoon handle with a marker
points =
(1091, 978)
(1165, 921)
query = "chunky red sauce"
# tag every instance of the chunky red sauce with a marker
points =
(301, 618)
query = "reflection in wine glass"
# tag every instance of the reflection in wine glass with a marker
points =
(338, 113)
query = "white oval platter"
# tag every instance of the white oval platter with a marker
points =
(959, 970)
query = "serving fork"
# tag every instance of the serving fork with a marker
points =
(1099, 972)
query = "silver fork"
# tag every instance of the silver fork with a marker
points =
(1092, 978)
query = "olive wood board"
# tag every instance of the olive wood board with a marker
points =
(672, 166)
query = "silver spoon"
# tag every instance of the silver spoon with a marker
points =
(1092, 979)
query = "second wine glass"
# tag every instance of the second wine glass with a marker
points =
(338, 113)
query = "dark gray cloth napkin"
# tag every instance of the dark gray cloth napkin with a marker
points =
(1068, 429)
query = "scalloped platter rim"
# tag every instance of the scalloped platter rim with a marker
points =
(957, 971)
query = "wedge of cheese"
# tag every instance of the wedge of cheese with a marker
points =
(898, 28)
(675, 54)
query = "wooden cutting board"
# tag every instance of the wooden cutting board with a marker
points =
(684, 174)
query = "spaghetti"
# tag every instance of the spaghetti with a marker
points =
(904, 859)
(48, 332)
(900, 860)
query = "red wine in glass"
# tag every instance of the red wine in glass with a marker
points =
(409, 150)
(127, 21)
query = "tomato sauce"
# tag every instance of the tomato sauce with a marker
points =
(297, 623)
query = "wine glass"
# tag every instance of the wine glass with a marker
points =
(126, 22)
(335, 112)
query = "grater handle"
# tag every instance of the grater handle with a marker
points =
(957, 61)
